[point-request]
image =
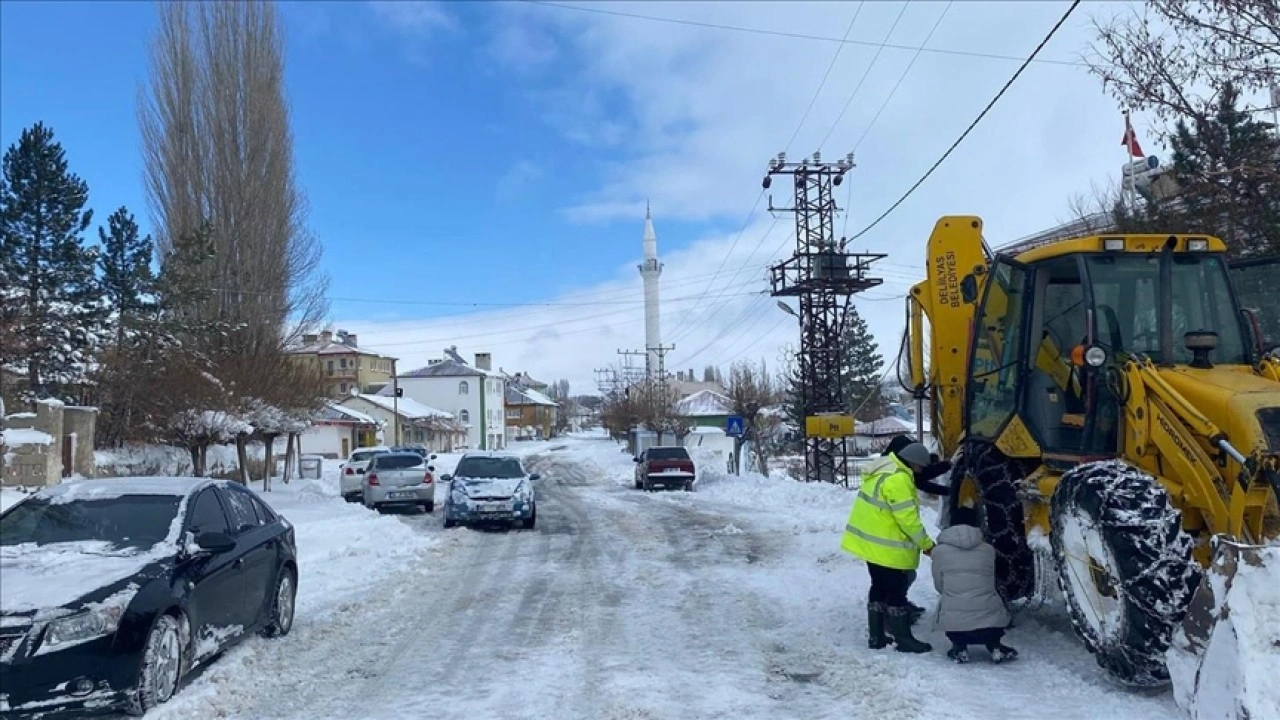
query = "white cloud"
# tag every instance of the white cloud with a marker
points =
(516, 179)
(415, 17)
(689, 116)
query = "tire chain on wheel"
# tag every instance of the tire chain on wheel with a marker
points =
(1003, 520)
(1143, 532)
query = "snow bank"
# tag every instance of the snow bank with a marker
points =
(1237, 676)
(13, 437)
(139, 460)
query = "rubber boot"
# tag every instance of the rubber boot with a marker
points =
(917, 612)
(958, 654)
(876, 639)
(900, 626)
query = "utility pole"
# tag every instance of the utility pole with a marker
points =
(823, 277)
(395, 402)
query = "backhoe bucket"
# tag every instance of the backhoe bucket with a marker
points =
(1224, 661)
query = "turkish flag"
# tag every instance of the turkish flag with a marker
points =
(1130, 139)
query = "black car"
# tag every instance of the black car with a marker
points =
(114, 590)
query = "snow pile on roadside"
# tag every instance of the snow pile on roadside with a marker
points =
(165, 460)
(1236, 677)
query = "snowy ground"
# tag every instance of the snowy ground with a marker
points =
(731, 602)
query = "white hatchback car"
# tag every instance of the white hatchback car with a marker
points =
(351, 472)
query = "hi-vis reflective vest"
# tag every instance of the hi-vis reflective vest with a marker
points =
(884, 525)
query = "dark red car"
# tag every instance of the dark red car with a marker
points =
(665, 467)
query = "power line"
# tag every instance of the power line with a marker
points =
(1053, 31)
(937, 23)
(816, 93)
(720, 295)
(795, 35)
(874, 59)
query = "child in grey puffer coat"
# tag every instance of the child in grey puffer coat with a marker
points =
(964, 573)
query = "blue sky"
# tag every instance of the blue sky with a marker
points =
(415, 157)
(502, 152)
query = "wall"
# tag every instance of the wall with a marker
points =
(327, 440)
(82, 422)
(496, 409)
(441, 393)
(33, 455)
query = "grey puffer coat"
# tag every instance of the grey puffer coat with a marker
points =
(964, 573)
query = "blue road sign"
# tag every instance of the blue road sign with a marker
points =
(734, 426)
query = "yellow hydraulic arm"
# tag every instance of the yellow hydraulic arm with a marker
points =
(1269, 367)
(954, 253)
(1157, 415)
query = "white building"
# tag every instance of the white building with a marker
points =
(474, 394)
(418, 424)
(337, 430)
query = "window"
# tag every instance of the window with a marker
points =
(667, 453)
(464, 416)
(342, 363)
(344, 387)
(464, 388)
(997, 351)
(206, 514)
(329, 367)
(513, 413)
(244, 516)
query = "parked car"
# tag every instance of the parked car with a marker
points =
(422, 450)
(114, 590)
(665, 467)
(351, 472)
(490, 488)
(399, 479)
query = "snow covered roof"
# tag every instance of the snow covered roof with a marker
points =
(330, 347)
(450, 368)
(518, 395)
(335, 411)
(890, 425)
(411, 409)
(704, 403)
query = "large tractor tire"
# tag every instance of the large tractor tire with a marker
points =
(1124, 566)
(1000, 510)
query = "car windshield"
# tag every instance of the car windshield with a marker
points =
(132, 521)
(397, 462)
(482, 467)
(1127, 298)
(673, 453)
(364, 455)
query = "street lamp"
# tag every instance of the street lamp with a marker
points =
(787, 309)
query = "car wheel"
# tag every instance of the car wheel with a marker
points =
(161, 666)
(533, 518)
(639, 486)
(688, 487)
(429, 506)
(280, 621)
(449, 522)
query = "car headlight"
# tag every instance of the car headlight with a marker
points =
(83, 627)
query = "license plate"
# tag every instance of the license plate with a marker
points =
(399, 495)
(495, 507)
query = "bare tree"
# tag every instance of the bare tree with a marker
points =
(218, 149)
(752, 389)
(1172, 57)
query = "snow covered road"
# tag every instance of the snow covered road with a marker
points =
(730, 602)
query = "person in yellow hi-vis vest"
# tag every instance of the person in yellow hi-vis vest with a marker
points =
(885, 530)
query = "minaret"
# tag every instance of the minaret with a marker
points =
(650, 269)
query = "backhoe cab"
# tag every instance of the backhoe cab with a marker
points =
(1111, 410)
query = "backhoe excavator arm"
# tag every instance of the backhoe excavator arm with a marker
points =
(1224, 489)
(946, 300)
(1269, 367)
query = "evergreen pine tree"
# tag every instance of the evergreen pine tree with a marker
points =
(860, 368)
(1228, 174)
(47, 268)
(127, 281)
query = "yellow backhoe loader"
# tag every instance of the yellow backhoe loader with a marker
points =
(1113, 414)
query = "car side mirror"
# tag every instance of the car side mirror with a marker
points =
(215, 542)
(637, 459)
(432, 468)
(359, 471)
(534, 476)
(433, 456)
(446, 478)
